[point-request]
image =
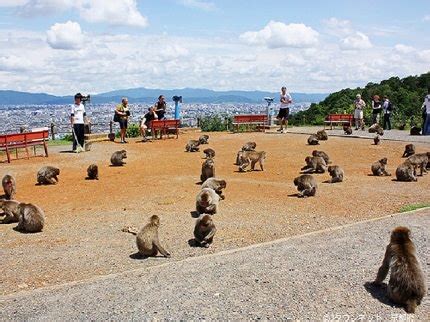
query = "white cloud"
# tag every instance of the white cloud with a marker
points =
(44, 7)
(358, 40)
(426, 18)
(14, 63)
(338, 27)
(12, 3)
(403, 49)
(65, 35)
(199, 4)
(277, 35)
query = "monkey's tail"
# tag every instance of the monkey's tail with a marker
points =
(129, 229)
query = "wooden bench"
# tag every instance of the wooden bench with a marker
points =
(257, 120)
(17, 141)
(165, 127)
(338, 119)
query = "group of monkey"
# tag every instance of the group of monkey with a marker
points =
(406, 287)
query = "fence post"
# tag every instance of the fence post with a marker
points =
(52, 130)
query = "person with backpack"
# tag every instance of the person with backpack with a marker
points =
(387, 107)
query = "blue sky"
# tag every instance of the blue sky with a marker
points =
(61, 46)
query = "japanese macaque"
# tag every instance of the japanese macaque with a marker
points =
(9, 186)
(208, 170)
(306, 185)
(209, 153)
(409, 150)
(378, 168)
(117, 158)
(192, 146)
(251, 157)
(376, 140)
(314, 164)
(406, 172)
(420, 160)
(313, 140)
(48, 175)
(347, 129)
(376, 128)
(215, 184)
(322, 135)
(204, 139)
(336, 173)
(93, 172)
(10, 211)
(207, 201)
(204, 231)
(249, 146)
(407, 283)
(31, 218)
(321, 154)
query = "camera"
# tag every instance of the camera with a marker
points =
(85, 98)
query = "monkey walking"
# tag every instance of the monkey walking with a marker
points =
(9, 186)
(420, 160)
(204, 231)
(407, 285)
(251, 158)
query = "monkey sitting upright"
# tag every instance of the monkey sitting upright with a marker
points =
(407, 285)
(204, 139)
(306, 185)
(204, 231)
(117, 158)
(409, 150)
(209, 153)
(93, 172)
(207, 201)
(31, 218)
(10, 211)
(314, 164)
(217, 185)
(192, 146)
(336, 173)
(313, 140)
(378, 168)
(9, 186)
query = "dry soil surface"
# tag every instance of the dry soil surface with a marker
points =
(82, 237)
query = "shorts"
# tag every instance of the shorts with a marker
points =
(123, 123)
(358, 114)
(284, 113)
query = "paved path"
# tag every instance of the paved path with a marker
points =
(394, 135)
(317, 275)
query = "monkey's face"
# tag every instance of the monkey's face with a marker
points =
(223, 184)
(296, 181)
(206, 200)
(383, 161)
(57, 172)
(308, 159)
(330, 169)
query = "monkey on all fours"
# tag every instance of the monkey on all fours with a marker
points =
(207, 201)
(420, 160)
(378, 168)
(147, 240)
(204, 230)
(204, 139)
(31, 218)
(407, 284)
(117, 158)
(48, 175)
(192, 146)
(209, 153)
(215, 184)
(93, 172)
(9, 186)
(313, 140)
(251, 158)
(321, 154)
(10, 211)
(322, 135)
(306, 185)
(314, 164)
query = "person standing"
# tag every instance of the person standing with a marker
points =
(359, 106)
(160, 107)
(387, 107)
(376, 109)
(426, 111)
(123, 113)
(284, 109)
(77, 119)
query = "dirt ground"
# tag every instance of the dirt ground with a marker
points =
(82, 237)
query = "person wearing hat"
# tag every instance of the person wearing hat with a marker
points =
(387, 108)
(359, 105)
(376, 109)
(284, 110)
(123, 113)
(77, 119)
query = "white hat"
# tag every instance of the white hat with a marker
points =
(358, 96)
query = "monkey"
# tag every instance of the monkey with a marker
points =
(48, 175)
(415, 130)
(336, 173)
(406, 172)
(313, 140)
(306, 185)
(322, 135)
(216, 185)
(378, 168)
(407, 284)
(31, 218)
(10, 211)
(409, 150)
(208, 170)
(376, 140)
(239, 156)
(147, 240)
(204, 231)
(376, 128)
(93, 172)
(347, 129)
(420, 160)
(9, 186)
(251, 157)
(204, 139)
(210, 153)
(117, 158)
(249, 146)
(207, 201)
(192, 146)
(314, 164)
(321, 154)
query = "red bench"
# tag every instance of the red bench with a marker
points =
(258, 120)
(23, 141)
(165, 127)
(338, 119)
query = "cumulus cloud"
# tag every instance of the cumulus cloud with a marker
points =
(278, 35)
(358, 40)
(65, 36)
(199, 4)
(14, 63)
(338, 27)
(404, 49)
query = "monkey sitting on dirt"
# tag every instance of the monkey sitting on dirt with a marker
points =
(192, 146)
(313, 140)
(204, 231)
(322, 135)
(336, 173)
(117, 158)
(407, 284)
(48, 175)
(409, 150)
(347, 129)
(406, 172)
(31, 218)
(378, 168)
(93, 172)
(9, 186)
(207, 201)
(204, 139)
(314, 164)
(376, 140)
(420, 160)
(321, 154)
(306, 185)
(217, 185)
(208, 170)
(251, 157)
(10, 211)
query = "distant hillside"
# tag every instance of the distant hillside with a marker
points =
(406, 94)
(144, 95)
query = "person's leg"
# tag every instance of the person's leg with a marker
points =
(389, 121)
(81, 134)
(74, 137)
(374, 117)
(385, 122)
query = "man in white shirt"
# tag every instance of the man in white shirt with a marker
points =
(284, 110)
(77, 119)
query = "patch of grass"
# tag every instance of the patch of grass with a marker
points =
(414, 206)
(59, 142)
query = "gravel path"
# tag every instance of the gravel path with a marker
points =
(313, 276)
(392, 135)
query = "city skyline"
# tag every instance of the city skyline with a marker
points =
(63, 46)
